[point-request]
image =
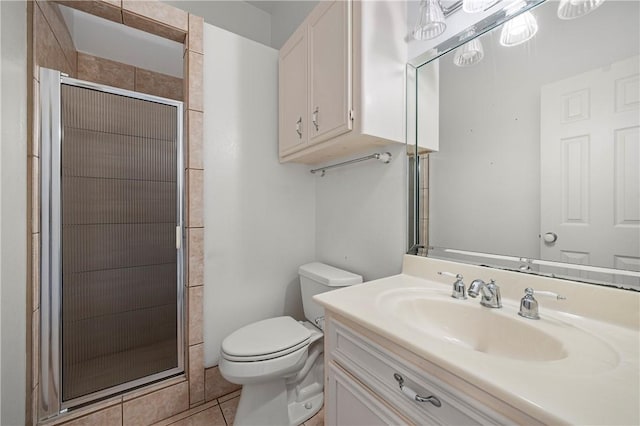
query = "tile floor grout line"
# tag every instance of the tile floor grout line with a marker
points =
(223, 416)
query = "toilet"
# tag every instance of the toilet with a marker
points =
(279, 361)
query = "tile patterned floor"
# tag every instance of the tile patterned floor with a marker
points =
(221, 412)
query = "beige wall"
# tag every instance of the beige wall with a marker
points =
(13, 213)
(50, 46)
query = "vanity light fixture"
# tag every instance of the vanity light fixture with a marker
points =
(571, 9)
(469, 53)
(431, 21)
(520, 29)
(477, 6)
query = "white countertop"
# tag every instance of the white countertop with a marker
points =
(598, 382)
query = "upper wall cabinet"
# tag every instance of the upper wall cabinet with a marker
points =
(342, 81)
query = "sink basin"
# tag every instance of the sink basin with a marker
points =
(468, 325)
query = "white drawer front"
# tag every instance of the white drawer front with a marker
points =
(376, 367)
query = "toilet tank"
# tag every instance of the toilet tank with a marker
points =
(316, 278)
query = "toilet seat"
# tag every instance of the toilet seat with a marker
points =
(264, 340)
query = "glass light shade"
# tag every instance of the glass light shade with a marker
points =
(519, 30)
(571, 9)
(477, 6)
(430, 21)
(469, 53)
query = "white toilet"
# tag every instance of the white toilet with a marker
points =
(279, 361)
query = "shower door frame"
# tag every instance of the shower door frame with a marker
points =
(50, 355)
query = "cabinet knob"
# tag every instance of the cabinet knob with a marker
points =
(315, 117)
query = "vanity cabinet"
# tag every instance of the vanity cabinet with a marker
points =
(363, 376)
(341, 88)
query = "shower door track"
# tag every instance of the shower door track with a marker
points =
(50, 401)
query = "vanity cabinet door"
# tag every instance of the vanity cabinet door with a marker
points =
(293, 81)
(351, 404)
(330, 70)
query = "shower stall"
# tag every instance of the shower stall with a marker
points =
(111, 262)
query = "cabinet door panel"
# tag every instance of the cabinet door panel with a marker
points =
(330, 70)
(293, 80)
(351, 404)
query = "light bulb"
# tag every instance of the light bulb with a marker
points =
(476, 6)
(519, 30)
(469, 53)
(571, 9)
(431, 21)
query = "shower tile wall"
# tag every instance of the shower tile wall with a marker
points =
(158, 84)
(105, 71)
(124, 76)
(155, 18)
(51, 47)
(107, 9)
(193, 63)
(216, 385)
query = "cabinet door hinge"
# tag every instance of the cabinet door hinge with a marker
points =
(352, 115)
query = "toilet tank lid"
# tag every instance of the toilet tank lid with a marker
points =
(328, 275)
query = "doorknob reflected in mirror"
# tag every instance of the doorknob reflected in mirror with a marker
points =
(550, 237)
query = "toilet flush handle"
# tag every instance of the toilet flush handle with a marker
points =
(319, 322)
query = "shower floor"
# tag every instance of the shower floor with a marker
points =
(101, 373)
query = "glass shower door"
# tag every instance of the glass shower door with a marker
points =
(120, 271)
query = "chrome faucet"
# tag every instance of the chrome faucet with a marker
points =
(458, 292)
(490, 293)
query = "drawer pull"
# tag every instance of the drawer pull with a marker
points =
(315, 117)
(413, 395)
(299, 127)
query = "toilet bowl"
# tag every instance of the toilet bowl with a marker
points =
(279, 361)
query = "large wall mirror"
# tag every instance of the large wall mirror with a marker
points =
(538, 166)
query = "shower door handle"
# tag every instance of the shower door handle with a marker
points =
(178, 237)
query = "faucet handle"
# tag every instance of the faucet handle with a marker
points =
(459, 291)
(529, 305)
(450, 274)
(546, 293)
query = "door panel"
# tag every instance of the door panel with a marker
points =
(590, 181)
(293, 80)
(330, 70)
(120, 191)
